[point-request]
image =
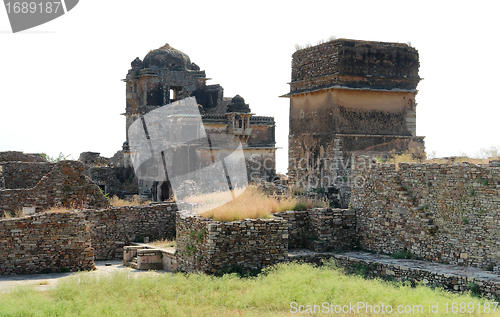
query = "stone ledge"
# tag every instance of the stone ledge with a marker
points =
(450, 277)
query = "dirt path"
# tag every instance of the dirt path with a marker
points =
(45, 281)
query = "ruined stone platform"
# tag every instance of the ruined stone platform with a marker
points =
(450, 277)
(142, 256)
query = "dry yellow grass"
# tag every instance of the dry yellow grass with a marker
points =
(17, 214)
(459, 159)
(136, 200)
(214, 198)
(165, 243)
(412, 156)
(57, 210)
(251, 203)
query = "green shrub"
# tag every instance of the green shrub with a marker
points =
(300, 206)
(474, 289)
(403, 254)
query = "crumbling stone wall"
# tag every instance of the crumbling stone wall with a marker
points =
(65, 185)
(113, 175)
(439, 212)
(331, 229)
(24, 174)
(116, 181)
(44, 243)
(314, 163)
(210, 246)
(298, 227)
(15, 156)
(93, 159)
(321, 229)
(113, 228)
(52, 242)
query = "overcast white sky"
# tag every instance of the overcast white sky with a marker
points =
(61, 88)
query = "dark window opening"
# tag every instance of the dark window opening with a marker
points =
(103, 189)
(165, 191)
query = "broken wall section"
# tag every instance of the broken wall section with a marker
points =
(64, 186)
(113, 176)
(15, 156)
(113, 228)
(19, 175)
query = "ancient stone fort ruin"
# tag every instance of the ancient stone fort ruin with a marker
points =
(349, 100)
(30, 184)
(166, 75)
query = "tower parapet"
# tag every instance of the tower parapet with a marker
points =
(355, 64)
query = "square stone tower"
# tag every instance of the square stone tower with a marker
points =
(350, 97)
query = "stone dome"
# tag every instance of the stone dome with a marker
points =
(238, 100)
(167, 57)
(238, 105)
(136, 63)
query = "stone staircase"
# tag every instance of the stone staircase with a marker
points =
(133, 263)
(421, 209)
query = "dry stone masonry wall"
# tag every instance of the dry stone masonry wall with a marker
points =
(116, 227)
(332, 229)
(321, 229)
(298, 227)
(24, 174)
(71, 241)
(438, 212)
(14, 156)
(49, 242)
(210, 246)
(64, 186)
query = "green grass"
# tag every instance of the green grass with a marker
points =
(403, 254)
(268, 294)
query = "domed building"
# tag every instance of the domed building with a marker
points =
(166, 75)
(167, 57)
